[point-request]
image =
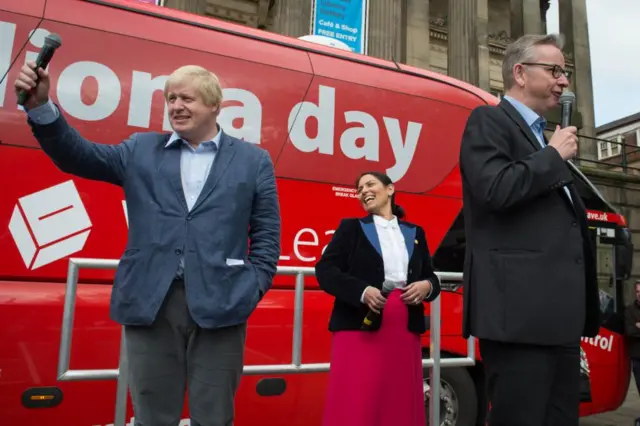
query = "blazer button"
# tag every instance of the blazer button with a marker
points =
(178, 252)
(574, 224)
(579, 261)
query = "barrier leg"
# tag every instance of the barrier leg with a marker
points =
(122, 388)
(296, 355)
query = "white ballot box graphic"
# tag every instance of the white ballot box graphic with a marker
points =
(49, 225)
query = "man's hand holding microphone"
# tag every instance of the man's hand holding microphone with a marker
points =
(32, 85)
(565, 141)
(36, 85)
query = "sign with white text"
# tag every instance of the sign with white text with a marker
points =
(342, 20)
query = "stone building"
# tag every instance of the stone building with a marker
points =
(434, 35)
(619, 144)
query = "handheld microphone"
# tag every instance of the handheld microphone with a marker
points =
(387, 287)
(51, 43)
(566, 102)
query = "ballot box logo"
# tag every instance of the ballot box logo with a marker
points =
(49, 225)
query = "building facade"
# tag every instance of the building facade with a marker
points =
(619, 144)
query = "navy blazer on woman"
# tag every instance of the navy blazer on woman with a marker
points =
(353, 260)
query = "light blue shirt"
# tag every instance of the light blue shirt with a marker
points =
(535, 123)
(195, 163)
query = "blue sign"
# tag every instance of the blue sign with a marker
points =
(342, 20)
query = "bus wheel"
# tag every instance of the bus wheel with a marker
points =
(458, 399)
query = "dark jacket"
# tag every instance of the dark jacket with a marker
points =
(353, 260)
(631, 317)
(529, 270)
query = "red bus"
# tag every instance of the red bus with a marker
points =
(324, 115)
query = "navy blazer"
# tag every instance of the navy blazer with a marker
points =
(238, 203)
(353, 260)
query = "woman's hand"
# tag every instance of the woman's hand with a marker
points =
(415, 292)
(374, 299)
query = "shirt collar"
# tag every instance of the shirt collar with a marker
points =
(175, 138)
(381, 221)
(530, 116)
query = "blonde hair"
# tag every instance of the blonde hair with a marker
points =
(208, 85)
(522, 50)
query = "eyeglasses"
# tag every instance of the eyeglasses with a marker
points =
(556, 70)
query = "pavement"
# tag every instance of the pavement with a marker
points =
(623, 416)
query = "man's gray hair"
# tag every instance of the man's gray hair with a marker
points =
(522, 50)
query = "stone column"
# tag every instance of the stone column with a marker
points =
(517, 24)
(385, 30)
(525, 18)
(468, 53)
(418, 33)
(292, 17)
(573, 24)
(531, 18)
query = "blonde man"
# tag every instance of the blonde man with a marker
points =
(530, 281)
(185, 285)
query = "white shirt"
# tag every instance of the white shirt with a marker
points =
(394, 252)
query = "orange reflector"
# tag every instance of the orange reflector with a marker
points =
(41, 397)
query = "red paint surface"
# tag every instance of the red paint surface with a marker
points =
(313, 187)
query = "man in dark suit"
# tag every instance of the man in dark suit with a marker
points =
(188, 279)
(530, 280)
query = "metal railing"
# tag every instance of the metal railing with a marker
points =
(295, 367)
(628, 154)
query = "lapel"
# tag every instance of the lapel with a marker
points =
(524, 127)
(172, 160)
(226, 152)
(575, 197)
(409, 233)
(369, 229)
(576, 206)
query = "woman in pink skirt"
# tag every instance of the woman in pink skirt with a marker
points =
(379, 270)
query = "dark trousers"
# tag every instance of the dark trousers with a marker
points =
(530, 385)
(174, 355)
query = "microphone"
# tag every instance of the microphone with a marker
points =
(566, 102)
(387, 287)
(51, 43)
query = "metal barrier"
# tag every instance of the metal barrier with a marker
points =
(295, 367)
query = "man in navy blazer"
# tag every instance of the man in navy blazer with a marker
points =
(188, 279)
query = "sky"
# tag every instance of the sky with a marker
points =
(614, 39)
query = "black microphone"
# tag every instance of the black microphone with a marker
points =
(368, 320)
(51, 43)
(566, 102)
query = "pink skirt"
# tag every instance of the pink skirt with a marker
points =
(376, 376)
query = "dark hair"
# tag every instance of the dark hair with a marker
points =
(386, 181)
